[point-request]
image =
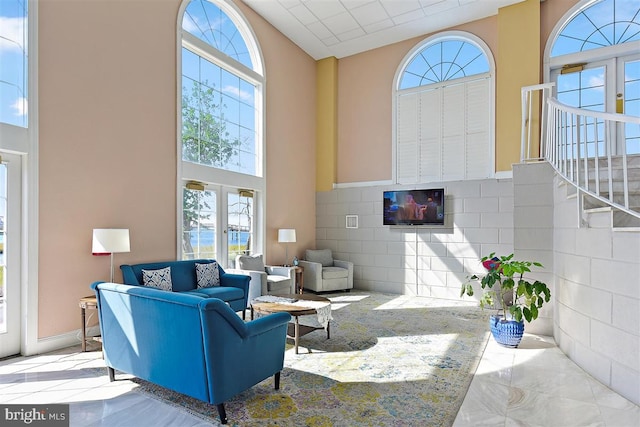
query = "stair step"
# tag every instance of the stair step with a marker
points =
(624, 220)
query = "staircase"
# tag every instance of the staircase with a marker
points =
(613, 191)
(605, 183)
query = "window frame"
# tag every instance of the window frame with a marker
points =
(435, 38)
(211, 176)
(606, 56)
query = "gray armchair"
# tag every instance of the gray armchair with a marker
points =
(265, 279)
(323, 273)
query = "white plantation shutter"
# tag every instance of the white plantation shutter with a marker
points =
(443, 133)
(407, 138)
(430, 159)
(478, 146)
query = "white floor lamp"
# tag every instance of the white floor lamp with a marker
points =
(286, 235)
(108, 241)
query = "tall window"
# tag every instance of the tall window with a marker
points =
(221, 130)
(444, 114)
(17, 137)
(13, 57)
(594, 59)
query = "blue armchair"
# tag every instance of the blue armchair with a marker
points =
(193, 345)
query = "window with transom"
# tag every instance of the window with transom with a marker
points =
(444, 111)
(221, 137)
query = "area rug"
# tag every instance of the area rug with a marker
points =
(391, 361)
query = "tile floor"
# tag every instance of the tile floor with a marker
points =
(535, 385)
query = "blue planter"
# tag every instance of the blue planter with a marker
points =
(506, 332)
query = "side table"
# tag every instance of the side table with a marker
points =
(299, 271)
(87, 303)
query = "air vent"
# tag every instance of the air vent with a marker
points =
(352, 221)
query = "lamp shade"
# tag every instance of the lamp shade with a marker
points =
(286, 235)
(110, 240)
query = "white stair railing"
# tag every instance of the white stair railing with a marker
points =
(530, 112)
(588, 148)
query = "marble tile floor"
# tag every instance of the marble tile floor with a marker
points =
(535, 385)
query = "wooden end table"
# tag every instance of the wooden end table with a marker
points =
(296, 330)
(89, 302)
(299, 277)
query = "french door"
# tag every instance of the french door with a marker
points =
(10, 249)
(218, 223)
(611, 85)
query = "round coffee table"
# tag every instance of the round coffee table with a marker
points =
(296, 308)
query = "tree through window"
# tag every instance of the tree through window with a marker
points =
(221, 137)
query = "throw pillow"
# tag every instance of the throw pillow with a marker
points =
(250, 262)
(160, 279)
(207, 275)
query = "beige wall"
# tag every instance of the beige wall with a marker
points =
(107, 106)
(365, 87)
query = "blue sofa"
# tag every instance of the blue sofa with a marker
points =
(193, 345)
(234, 288)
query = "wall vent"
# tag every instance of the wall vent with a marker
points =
(352, 221)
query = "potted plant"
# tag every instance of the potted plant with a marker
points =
(517, 297)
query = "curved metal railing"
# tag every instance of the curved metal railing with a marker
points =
(599, 153)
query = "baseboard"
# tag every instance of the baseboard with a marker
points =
(56, 342)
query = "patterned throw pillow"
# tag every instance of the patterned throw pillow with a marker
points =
(160, 279)
(207, 275)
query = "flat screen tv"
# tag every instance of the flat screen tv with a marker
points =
(414, 207)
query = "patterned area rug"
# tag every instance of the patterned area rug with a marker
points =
(391, 360)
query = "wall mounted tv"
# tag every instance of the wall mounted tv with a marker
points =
(414, 207)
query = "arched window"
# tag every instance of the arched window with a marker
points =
(444, 111)
(221, 132)
(593, 56)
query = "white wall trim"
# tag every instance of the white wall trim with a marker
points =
(30, 191)
(504, 175)
(361, 184)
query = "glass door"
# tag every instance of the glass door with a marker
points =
(10, 231)
(199, 223)
(586, 87)
(628, 100)
(218, 222)
(240, 215)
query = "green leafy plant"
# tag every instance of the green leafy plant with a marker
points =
(505, 280)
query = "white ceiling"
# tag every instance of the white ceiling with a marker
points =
(340, 28)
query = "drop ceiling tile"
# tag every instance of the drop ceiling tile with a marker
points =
(352, 4)
(408, 17)
(330, 41)
(350, 35)
(401, 7)
(288, 4)
(325, 9)
(300, 20)
(378, 26)
(427, 3)
(440, 6)
(341, 23)
(369, 13)
(319, 30)
(303, 14)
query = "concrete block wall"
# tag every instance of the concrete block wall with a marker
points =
(428, 261)
(593, 272)
(533, 230)
(597, 307)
